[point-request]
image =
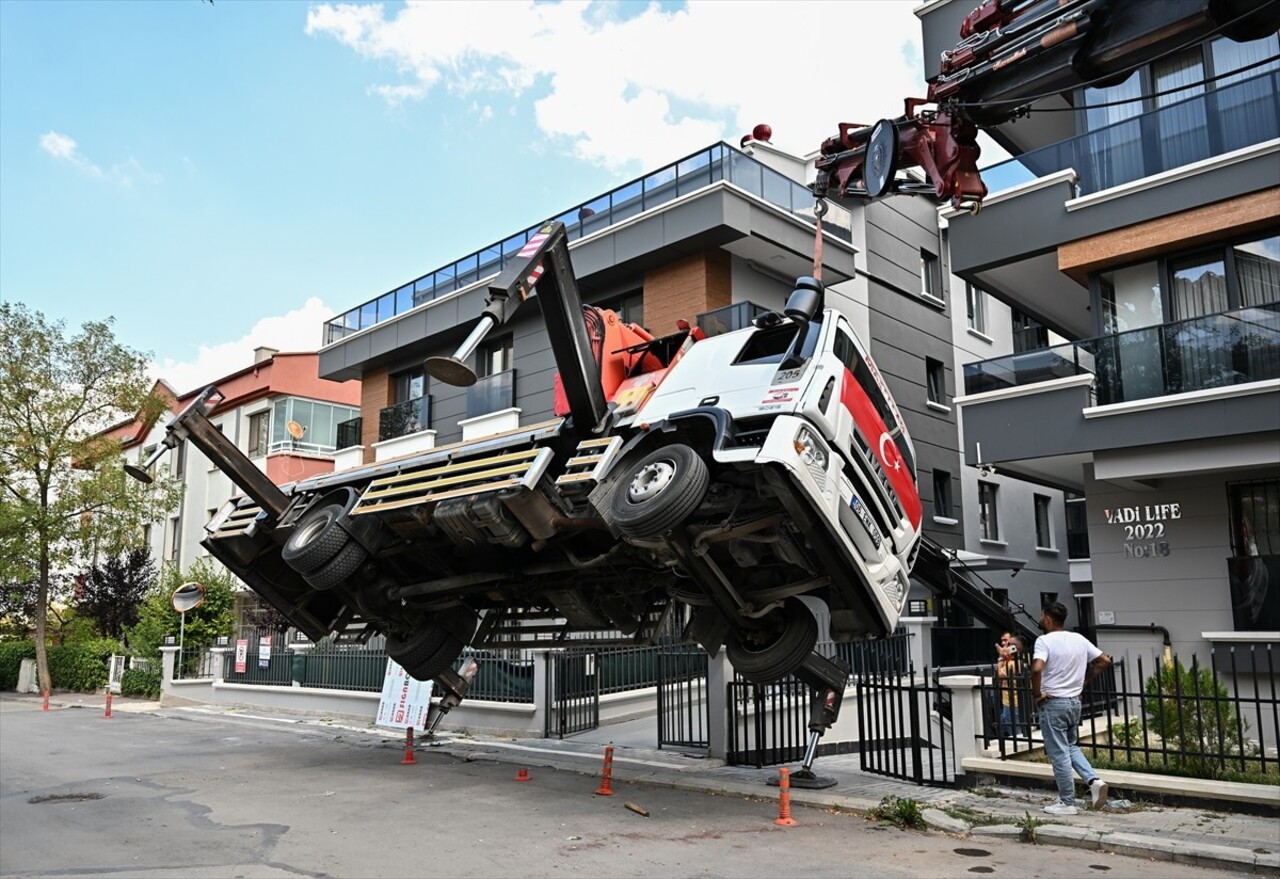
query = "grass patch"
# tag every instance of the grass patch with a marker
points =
(976, 818)
(1029, 827)
(901, 812)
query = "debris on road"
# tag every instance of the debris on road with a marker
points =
(639, 810)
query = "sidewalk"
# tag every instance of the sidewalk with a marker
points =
(1237, 842)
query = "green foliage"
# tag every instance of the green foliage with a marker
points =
(11, 655)
(1128, 734)
(112, 592)
(140, 682)
(1192, 713)
(81, 667)
(1028, 827)
(157, 618)
(64, 496)
(901, 812)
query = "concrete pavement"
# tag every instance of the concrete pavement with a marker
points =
(1206, 837)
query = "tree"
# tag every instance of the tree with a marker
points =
(111, 593)
(63, 493)
(157, 618)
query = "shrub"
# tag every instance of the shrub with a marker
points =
(81, 667)
(1192, 712)
(11, 655)
(901, 812)
(140, 682)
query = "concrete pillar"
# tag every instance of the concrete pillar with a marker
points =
(541, 692)
(719, 676)
(966, 715)
(218, 663)
(168, 660)
(920, 642)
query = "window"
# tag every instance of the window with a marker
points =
(999, 596)
(1028, 334)
(306, 425)
(1044, 527)
(942, 495)
(935, 380)
(180, 459)
(988, 512)
(175, 537)
(1253, 570)
(146, 537)
(975, 299)
(259, 434)
(1048, 598)
(1077, 529)
(494, 357)
(409, 385)
(930, 274)
(209, 514)
(629, 307)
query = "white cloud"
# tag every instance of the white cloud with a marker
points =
(299, 330)
(124, 174)
(642, 89)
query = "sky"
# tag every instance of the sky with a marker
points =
(219, 176)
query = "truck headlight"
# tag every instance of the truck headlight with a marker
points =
(810, 448)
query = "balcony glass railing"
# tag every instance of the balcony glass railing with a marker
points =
(715, 163)
(1218, 350)
(349, 433)
(729, 318)
(492, 393)
(1229, 118)
(404, 418)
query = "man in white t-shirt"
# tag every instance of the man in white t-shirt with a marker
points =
(1064, 662)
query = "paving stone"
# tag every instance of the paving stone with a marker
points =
(940, 820)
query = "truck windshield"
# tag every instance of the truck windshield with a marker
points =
(770, 346)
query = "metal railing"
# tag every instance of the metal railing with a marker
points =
(729, 318)
(404, 418)
(492, 393)
(1217, 350)
(349, 433)
(703, 168)
(273, 668)
(191, 663)
(1172, 717)
(1227, 118)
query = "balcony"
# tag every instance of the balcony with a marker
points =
(492, 393)
(729, 318)
(404, 418)
(1228, 118)
(719, 162)
(1218, 350)
(349, 433)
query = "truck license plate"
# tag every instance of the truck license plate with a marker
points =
(867, 521)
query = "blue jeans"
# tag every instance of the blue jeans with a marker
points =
(1059, 722)
(1011, 722)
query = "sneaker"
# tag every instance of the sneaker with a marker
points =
(1061, 808)
(1098, 793)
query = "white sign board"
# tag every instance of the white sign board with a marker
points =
(405, 700)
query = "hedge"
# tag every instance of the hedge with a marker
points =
(81, 667)
(140, 682)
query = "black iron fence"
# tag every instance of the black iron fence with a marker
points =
(190, 663)
(1218, 720)
(684, 717)
(255, 660)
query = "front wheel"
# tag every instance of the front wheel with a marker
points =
(659, 491)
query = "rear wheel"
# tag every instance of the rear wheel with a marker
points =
(318, 539)
(339, 569)
(772, 653)
(659, 491)
(435, 645)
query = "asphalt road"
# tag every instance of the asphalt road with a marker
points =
(199, 795)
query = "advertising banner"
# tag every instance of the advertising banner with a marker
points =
(404, 700)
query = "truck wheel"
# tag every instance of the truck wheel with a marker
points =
(318, 538)
(435, 646)
(766, 656)
(339, 569)
(659, 491)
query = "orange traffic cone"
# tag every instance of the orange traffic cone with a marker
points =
(606, 777)
(107, 713)
(523, 775)
(784, 818)
(408, 748)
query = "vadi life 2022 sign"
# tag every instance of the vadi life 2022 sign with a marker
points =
(1145, 528)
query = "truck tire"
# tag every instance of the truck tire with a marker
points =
(659, 491)
(763, 660)
(339, 569)
(318, 538)
(434, 647)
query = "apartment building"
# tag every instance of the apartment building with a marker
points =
(1140, 223)
(276, 410)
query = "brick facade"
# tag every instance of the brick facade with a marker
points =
(685, 288)
(375, 395)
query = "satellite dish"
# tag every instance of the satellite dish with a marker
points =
(187, 597)
(295, 429)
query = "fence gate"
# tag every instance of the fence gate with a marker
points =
(683, 719)
(573, 693)
(115, 671)
(902, 729)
